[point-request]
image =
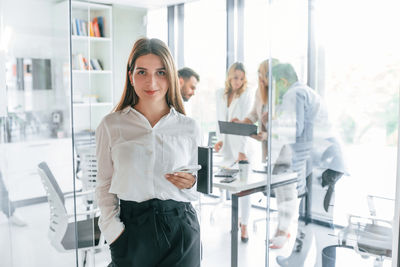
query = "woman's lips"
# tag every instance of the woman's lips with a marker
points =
(150, 92)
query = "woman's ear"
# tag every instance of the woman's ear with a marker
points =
(130, 77)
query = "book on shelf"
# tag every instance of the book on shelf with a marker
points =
(95, 64)
(76, 25)
(83, 25)
(100, 64)
(96, 28)
(91, 29)
(100, 22)
(73, 28)
(79, 62)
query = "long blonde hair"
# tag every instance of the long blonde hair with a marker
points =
(231, 72)
(142, 47)
(263, 71)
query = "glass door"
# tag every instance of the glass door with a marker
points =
(35, 132)
(351, 114)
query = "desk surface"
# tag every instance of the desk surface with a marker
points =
(255, 180)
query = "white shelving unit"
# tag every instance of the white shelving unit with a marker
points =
(92, 87)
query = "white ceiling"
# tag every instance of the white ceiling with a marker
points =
(148, 4)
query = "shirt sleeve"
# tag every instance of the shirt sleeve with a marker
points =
(109, 222)
(245, 106)
(253, 116)
(219, 97)
(192, 193)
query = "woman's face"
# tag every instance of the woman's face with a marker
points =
(237, 79)
(149, 78)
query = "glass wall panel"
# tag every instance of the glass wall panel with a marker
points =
(35, 128)
(345, 131)
(205, 52)
(157, 24)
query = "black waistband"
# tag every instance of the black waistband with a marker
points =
(132, 209)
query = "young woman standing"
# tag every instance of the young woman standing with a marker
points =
(146, 215)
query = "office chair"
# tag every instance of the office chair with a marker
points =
(86, 162)
(62, 225)
(88, 175)
(369, 236)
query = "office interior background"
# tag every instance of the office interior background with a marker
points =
(51, 103)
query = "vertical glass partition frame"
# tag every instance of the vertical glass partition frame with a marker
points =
(290, 136)
(35, 129)
(92, 87)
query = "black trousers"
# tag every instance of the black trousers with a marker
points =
(158, 233)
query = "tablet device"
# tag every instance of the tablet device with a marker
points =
(226, 127)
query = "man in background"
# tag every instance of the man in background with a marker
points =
(188, 80)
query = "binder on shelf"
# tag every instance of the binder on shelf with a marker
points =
(205, 174)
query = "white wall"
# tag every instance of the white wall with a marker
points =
(128, 25)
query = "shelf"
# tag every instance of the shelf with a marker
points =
(90, 38)
(92, 71)
(95, 104)
(91, 85)
(92, 6)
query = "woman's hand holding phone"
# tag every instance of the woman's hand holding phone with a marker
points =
(183, 177)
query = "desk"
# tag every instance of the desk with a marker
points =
(257, 182)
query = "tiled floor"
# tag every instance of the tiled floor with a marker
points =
(30, 247)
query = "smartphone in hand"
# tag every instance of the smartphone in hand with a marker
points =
(188, 169)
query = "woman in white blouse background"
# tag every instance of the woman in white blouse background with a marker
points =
(234, 101)
(146, 215)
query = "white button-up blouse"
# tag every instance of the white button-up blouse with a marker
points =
(133, 158)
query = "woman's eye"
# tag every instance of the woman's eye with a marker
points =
(161, 73)
(140, 72)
